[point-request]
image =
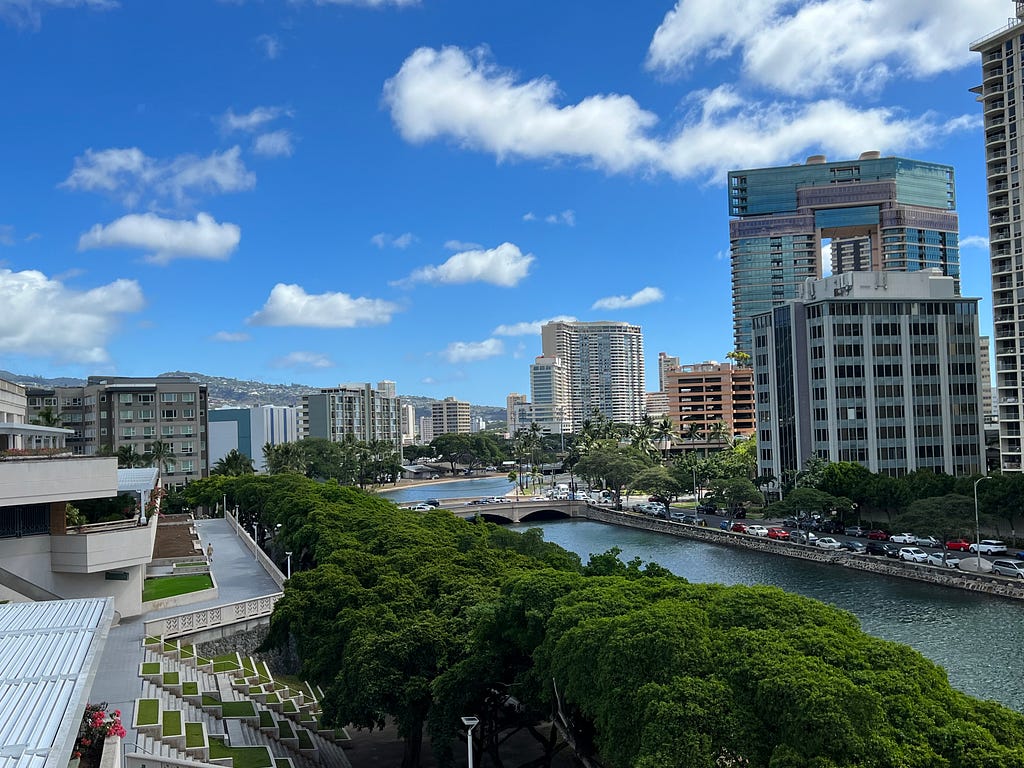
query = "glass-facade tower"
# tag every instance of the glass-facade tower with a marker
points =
(880, 214)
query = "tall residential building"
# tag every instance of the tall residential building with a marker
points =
(550, 398)
(880, 213)
(988, 408)
(872, 367)
(512, 403)
(351, 410)
(426, 430)
(656, 404)
(1003, 154)
(387, 388)
(247, 430)
(666, 363)
(449, 415)
(701, 396)
(407, 418)
(604, 362)
(111, 412)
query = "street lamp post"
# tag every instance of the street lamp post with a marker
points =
(470, 723)
(977, 524)
(289, 564)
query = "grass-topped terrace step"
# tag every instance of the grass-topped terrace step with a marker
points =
(284, 728)
(305, 740)
(242, 757)
(147, 714)
(195, 736)
(172, 723)
(227, 662)
(162, 587)
(171, 678)
(238, 709)
(267, 719)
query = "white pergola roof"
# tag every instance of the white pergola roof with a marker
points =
(137, 479)
(49, 653)
(32, 430)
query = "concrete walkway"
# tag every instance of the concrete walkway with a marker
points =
(238, 577)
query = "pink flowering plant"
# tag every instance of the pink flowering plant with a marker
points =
(97, 725)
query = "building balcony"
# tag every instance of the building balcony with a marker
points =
(995, 138)
(103, 547)
(994, 106)
(998, 187)
(995, 122)
(991, 74)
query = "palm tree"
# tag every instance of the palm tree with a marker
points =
(641, 436)
(664, 434)
(47, 417)
(128, 457)
(284, 458)
(692, 431)
(160, 455)
(721, 432)
(234, 464)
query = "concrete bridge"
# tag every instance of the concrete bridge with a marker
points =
(522, 511)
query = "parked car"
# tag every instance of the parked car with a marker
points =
(779, 534)
(738, 528)
(913, 554)
(903, 538)
(875, 547)
(1009, 568)
(928, 541)
(707, 509)
(890, 549)
(804, 537)
(958, 545)
(857, 531)
(828, 543)
(433, 502)
(757, 530)
(878, 535)
(856, 547)
(725, 525)
(790, 522)
(988, 547)
(435, 476)
(422, 508)
(659, 499)
(936, 558)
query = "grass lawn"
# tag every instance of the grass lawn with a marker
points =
(283, 762)
(148, 711)
(194, 735)
(151, 668)
(190, 688)
(209, 701)
(243, 757)
(224, 666)
(171, 678)
(273, 698)
(172, 722)
(151, 640)
(198, 564)
(289, 706)
(267, 719)
(237, 709)
(285, 729)
(305, 742)
(169, 586)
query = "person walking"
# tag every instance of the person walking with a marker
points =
(209, 553)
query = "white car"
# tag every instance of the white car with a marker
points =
(828, 543)
(903, 538)
(757, 530)
(422, 508)
(928, 541)
(913, 554)
(989, 547)
(935, 558)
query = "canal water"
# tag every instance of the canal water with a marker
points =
(978, 639)
(454, 489)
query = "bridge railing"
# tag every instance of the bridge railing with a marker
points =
(183, 624)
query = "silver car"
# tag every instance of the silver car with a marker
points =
(1014, 568)
(913, 554)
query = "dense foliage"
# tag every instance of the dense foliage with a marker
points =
(421, 617)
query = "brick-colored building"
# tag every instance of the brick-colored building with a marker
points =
(706, 393)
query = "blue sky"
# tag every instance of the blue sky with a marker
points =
(330, 191)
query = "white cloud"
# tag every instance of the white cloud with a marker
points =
(782, 46)
(6, 234)
(274, 144)
(290, 305)
(429, 380)
(29, 13)
(529, 327)
(505, 266)
(460, 245)
(448, 93)
(42, 317)
(387, 240)
(130, 174)
(168, 239)
(471, 351)
(646, 295)
(252, 121)
(271, 46)
(974, 241)
(529, 216)
(369, 3)
(230, 338)
(567, 217)
(303, 360)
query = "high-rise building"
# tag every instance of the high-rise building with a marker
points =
(704, 395)
(111, 412)
(656, 404)
(407, 414)
(878, 368)
(426, 429)
(666, 363)
(351, 410)
(604, 362)
(1003, 156)
(880, 213)
(513, 401)
(248, 430)
(387, 388)
(549, 396)
(988, 408)
(449, 415)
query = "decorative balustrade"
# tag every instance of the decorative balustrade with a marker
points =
(184, 624)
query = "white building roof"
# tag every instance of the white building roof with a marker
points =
(49, 653)
(137, 479)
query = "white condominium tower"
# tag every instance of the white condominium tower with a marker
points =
(1000, 51)
(604, 364)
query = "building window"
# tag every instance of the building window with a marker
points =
(168, 413)
(149, 431)
(187, 465)
(168, 397)
(124, 398)
(166, 431)
(188, 397)
(127, 431)
(188, 413)
(186, 430)
(124, 415)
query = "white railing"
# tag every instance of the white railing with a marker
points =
(261, 557)
(182, 624)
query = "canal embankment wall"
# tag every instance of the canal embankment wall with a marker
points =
(947, 577)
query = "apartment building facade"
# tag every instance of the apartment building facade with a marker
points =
(1000, 93)
(359, 411)
(703, 395)
(878, 368)
(449, 416)
(879, 214)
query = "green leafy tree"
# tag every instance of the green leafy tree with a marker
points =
(47, 417)
(234, 462)
(284, 458)
(129, 458)
(613, 467)
(946, 517)
(658, 480)
(160, 455)
(735, 493)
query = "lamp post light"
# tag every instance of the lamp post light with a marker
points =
(470, 723)
(289, 564)
(977, 524)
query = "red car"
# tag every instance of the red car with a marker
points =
(781, 534)
(738, 528)
(959, 545)
(877, 535)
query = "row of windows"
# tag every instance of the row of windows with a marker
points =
(183, 431)
(894, 308)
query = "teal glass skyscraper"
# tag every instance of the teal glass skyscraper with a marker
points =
(878, 213)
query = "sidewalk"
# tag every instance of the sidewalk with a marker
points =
(238, 577)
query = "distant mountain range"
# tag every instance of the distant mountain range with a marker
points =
(225, 392)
